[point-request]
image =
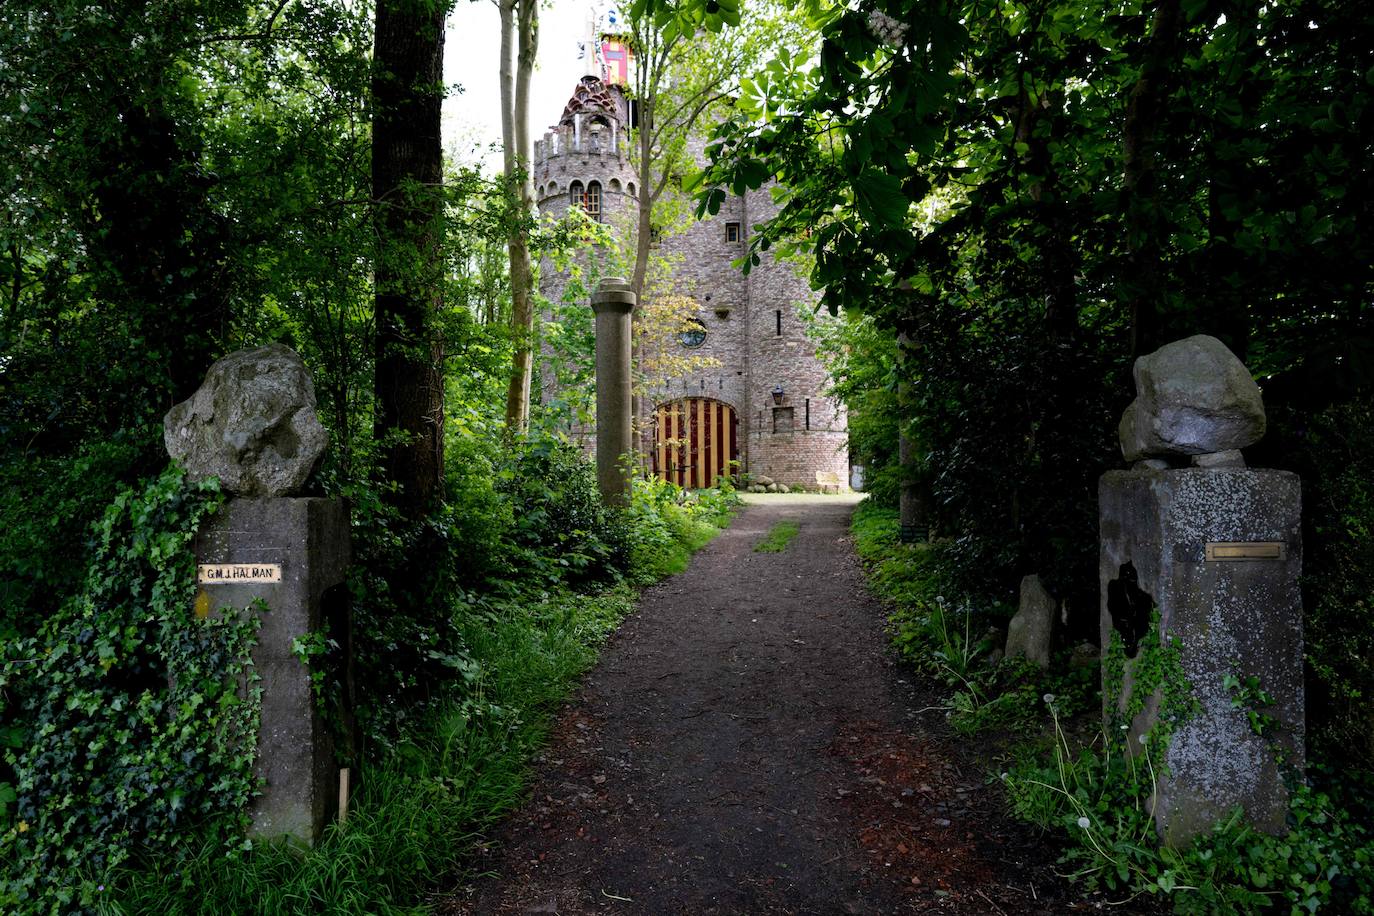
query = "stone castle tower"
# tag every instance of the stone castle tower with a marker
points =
(763, 409)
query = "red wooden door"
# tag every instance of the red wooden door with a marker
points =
(695, 439)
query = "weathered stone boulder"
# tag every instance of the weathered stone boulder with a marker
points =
(763, 480)
(1193, 397)
(252, 424)
(1030, 630)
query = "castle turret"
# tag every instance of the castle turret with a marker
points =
(762, 404)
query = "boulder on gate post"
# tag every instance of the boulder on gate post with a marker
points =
(252, 424)
(1200, 610)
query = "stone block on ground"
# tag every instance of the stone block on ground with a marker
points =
(1030, 631)
(252, 424)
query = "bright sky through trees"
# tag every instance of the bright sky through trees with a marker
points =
(472, 117)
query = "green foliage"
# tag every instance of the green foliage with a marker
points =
(1033, 194)
(561, 529)
(497, 654)
(131, 726)
(419, 806)
(954, 642)
(778, 537)
(1333, 448)
(1100, 798)
(665, 524)
(43, 554)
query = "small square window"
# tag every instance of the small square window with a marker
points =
(732, 232)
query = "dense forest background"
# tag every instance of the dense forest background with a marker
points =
(1029, 196)
(1005, 201)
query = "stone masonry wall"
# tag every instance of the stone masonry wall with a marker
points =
(782, 444)
(740, 315)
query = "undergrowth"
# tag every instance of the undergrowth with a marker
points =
(421, 806)
(1099, 796)
(125, 771)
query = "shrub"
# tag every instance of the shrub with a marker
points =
(134, 727)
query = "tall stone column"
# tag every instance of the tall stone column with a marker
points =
(612, 303)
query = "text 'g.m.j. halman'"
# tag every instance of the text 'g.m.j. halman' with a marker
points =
(225, 573)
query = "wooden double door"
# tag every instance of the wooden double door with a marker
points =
(695, 439)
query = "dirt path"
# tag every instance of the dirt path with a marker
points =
(748, 745)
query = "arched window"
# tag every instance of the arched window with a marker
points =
(593, 201)
(576, 196)
(630, 188)
(553, 188)
(615, 186)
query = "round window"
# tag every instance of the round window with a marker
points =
(693, 336)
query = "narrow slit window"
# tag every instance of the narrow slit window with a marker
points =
(778, 315)
(732, 232)
(808, 413)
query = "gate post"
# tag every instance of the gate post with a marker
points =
(612, 304)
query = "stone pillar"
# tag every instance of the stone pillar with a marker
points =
(1217, 553)
(292, 553)
(252, 425)
(613, 302)
(1200, 611)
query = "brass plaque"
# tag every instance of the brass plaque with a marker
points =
(235, 573)
(1246, 550)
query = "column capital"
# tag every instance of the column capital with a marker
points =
(613, 294)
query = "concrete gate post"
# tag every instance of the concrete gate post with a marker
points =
(253, 425)
(612, 303)
(1201, 612)
(293, 553)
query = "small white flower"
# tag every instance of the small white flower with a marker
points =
(1084, 822)
(24, 107)
(1048, 698)
(1141, 738)
(1003, 777)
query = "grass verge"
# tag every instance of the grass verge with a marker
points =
(1091, 792)
(422, 805)
(778, 537)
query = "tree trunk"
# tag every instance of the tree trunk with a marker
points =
(1231, 188)
(515, 131)
(1141, 286)
(914, 509)
(407, 179)
(645, 204)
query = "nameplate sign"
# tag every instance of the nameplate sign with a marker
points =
(1245, 550)
(236, 573)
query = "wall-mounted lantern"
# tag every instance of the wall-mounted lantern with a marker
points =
(777, 394)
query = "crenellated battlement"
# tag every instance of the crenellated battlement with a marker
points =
(598, 139)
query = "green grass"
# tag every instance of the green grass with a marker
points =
(778, 537)
(419, 809)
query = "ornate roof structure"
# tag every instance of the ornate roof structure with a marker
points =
(592, 96)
